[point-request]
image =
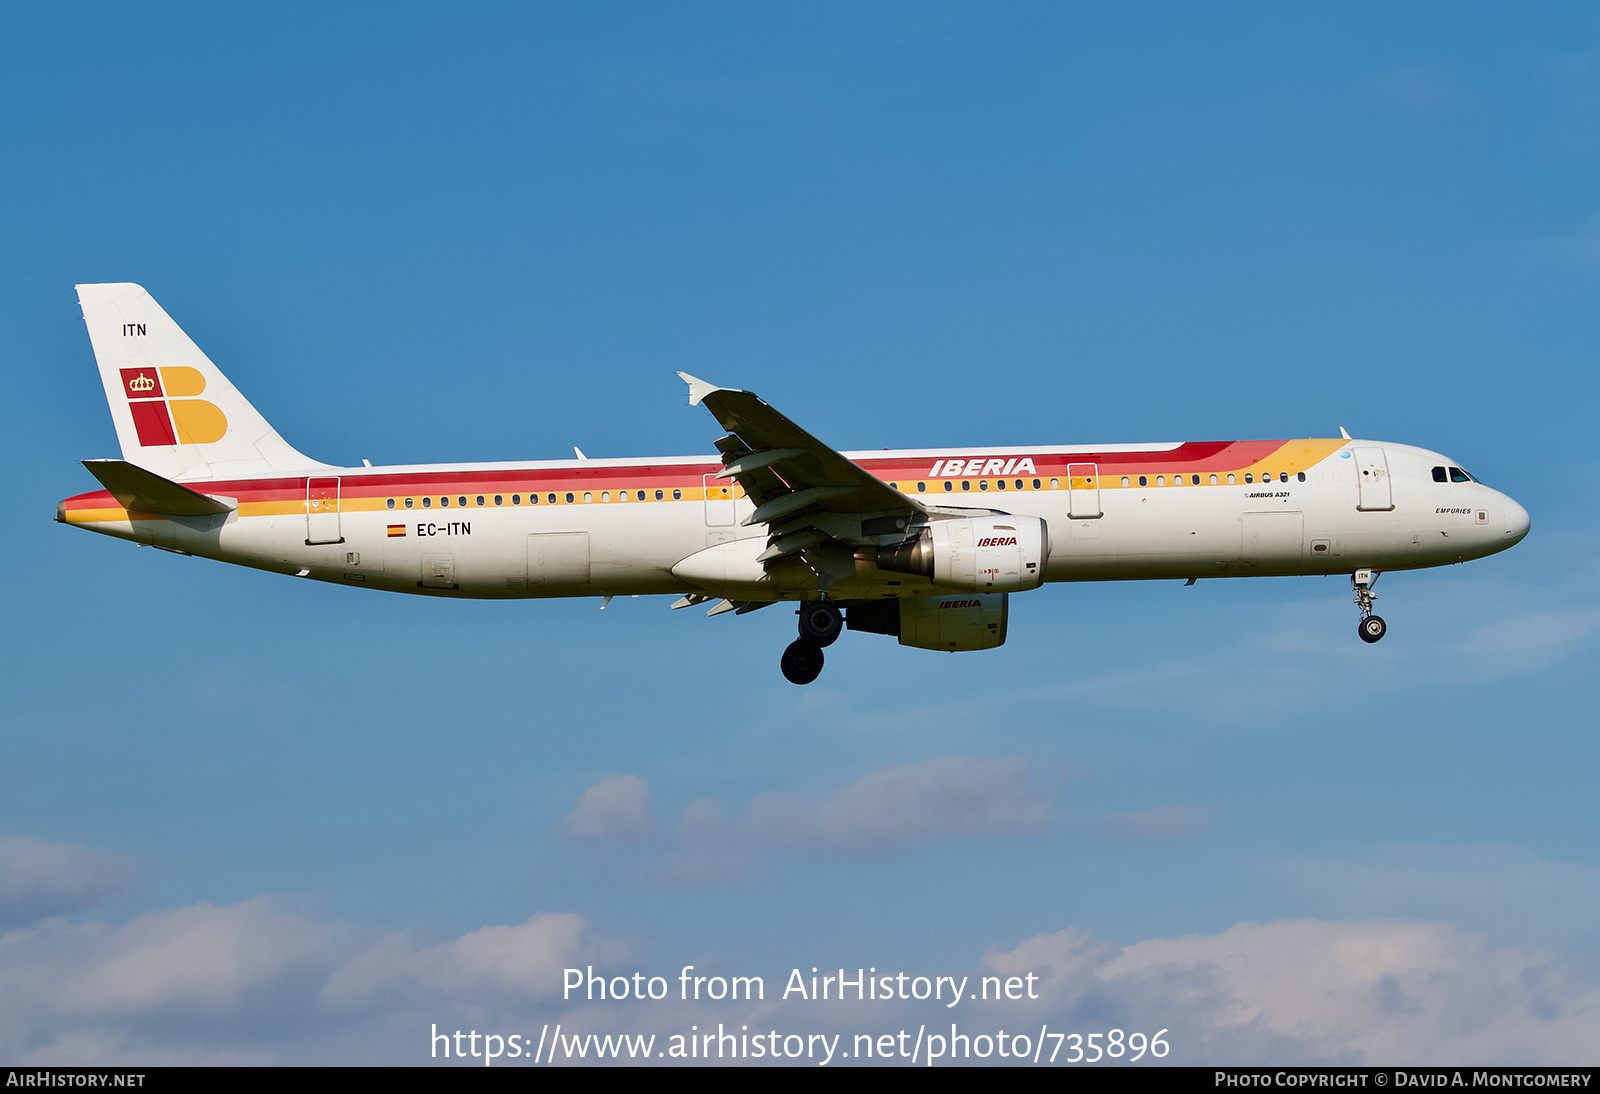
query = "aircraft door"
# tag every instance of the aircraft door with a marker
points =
(322, 511)
(1271, 540)
(719, 502)
(1375, 494)
(1083, 490)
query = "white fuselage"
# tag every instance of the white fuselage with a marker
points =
(599, 544)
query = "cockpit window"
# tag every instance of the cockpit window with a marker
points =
(1458, 475)
(1439, 475)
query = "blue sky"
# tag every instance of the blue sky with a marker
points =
(413, 235)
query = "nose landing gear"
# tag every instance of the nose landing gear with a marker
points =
(1372, 627)
(820, 625)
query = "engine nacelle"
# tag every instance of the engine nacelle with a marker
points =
(962, 621)
(1004, 553)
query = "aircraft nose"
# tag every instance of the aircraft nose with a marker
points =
(1517, 522)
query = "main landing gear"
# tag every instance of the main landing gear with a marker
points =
(1371, 627)
(820, 624)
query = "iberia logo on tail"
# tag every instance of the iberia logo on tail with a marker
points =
(163, 413)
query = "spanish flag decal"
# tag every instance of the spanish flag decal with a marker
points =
(396, 530)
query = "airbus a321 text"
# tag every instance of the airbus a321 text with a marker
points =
(923, 545)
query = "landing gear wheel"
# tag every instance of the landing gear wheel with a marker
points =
(1373, 628)
(802, 662)
(820, 623)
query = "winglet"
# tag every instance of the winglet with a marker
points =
(1345, 433)
(698, 388)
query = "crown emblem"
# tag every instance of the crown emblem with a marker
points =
(141, 383)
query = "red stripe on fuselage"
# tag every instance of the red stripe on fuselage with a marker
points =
(1195, 456)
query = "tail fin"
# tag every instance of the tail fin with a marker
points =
(176, 414)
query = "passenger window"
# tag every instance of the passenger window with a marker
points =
(658, 495)
(966, 485)
(922, 488)
(498, 500)
(641, 495)
(569, 499)
(1283, 476)
(1439, 475)
(1458, 475)
(677, 495)
(445, 502)
(999, 484)
(894, 486)
(587, 497)
(461, 502)
(516, 499)
(1161, 480)
(408, 503)
(391, 503)
(1248, 477)
(1194, 480)
(605, 496)
(1019, 484)
(1213, 480)
(479, 500)
(1036, 484)
(552, 499)
(1125, 481)
(948, 485)
(1144, 480)
(1231, 480)
(1055, 484)
(1301, 477)
(427, 503)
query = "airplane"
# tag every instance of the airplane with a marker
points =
(922, 545)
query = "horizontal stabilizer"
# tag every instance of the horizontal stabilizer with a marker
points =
(148, 492)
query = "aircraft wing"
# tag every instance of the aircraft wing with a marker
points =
(805, 492)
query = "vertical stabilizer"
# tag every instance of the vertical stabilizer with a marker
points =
(176, 413)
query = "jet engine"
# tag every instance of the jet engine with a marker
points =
(963, 621)
(997, 553)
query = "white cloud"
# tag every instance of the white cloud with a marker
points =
(39, 878)
(524, 960)
(615, 808)
(951, 797)
(196, 959)
(107, 1048)
(251, 984)
(885, 812)
(1373, 992)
